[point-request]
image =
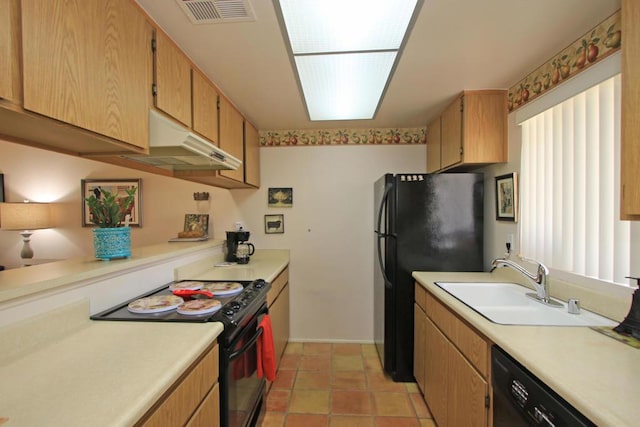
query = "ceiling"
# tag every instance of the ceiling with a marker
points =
(454, 45)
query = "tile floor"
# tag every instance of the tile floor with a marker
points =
(340, 385)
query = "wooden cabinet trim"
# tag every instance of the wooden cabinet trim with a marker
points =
(420, 296)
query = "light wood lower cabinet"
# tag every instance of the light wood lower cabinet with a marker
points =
(194, 400)
(278, 302)
(451, 364)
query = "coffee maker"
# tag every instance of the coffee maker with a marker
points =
(236, 247)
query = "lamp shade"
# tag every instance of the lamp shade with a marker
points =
(25, 216)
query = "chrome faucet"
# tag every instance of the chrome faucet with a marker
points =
(540, 279)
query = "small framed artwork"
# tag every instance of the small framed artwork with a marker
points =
(118, 187)
(507, 197)
(274, 224)
(280, 197)
(197, 222)
(1, 188)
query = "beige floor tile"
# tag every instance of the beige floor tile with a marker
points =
(387, 404)
(369, 350)
(349, 380)
(306, 420)
(278, 400)
(312, 380)
(421, 408)
(317, 348)
(412, 387)
(427, 423)
(350, 421)
(372, 363)
(293, 348)
(289, 362)
(284, 379)
(309, 402)
(379, 381)
(347, 363)
(396, 422)
(315, 363)
(343, 349)
(351, 402)
(272, 419)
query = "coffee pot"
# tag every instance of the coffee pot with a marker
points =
(236, 249)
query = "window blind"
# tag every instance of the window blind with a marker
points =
(570, 186)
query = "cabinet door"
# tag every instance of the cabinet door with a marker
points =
(484, 127)
(451, 128)
(630, 147)
(466, 394)
(433, 146)
(419, 346)
(205, 107)
(88, 63)
(251, 155)
(173, 80)
(231, 137)
(9, 40)
(279, 313)
(436, 372)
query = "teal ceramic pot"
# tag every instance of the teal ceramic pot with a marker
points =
(110, 243)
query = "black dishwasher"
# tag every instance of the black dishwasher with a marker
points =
(521, 399)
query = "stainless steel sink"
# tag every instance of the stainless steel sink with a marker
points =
(507, 304)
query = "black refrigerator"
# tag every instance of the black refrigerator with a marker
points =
(423, 222)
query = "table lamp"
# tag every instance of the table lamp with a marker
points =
(25, 216)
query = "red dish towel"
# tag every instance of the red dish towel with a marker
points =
(266, 351)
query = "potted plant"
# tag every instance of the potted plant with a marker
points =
(111, 238)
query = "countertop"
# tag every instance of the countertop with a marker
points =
(596, 374)
(60, 368)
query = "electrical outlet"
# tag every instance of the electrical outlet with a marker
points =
(510, 239)
(239, 226)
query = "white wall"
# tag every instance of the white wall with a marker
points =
(329, 230)
(44, 176)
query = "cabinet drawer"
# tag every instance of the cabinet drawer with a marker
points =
(208, 414)
(277, 285)
(471, 344)
(176, 407)
(421, 296)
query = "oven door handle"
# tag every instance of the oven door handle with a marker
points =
(246, 346)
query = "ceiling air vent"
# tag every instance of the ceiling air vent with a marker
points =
(217, 11)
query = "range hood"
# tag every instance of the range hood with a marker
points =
(173, 146)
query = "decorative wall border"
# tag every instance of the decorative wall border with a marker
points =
(376, 136)
(603, 40)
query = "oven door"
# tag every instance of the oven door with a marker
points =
(241, 389)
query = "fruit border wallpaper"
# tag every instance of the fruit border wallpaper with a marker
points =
(594, 46)
(379, 136)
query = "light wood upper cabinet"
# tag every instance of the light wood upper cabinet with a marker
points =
(251, 155)
(172, 89)
(232, 137)
(630, 143)
(434, 143)
(473, 131)
(205, 107)
(9, 51)
(88, 63)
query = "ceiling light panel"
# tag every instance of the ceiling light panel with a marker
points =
(316, 26)
(344, 86)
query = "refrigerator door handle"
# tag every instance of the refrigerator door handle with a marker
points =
(381, 235)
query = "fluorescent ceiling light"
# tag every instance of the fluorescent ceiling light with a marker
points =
(344, 51)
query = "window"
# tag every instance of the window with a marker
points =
(570, 186)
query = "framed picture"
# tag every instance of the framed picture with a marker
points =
(507, 197)
(113, 186)
(280, 197)
(2, 188)
(197, 222)
(274, 224)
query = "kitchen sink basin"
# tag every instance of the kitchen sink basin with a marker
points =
(507, 304)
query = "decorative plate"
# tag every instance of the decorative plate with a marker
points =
(200, 306)
(155, 304)
(223, 288)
